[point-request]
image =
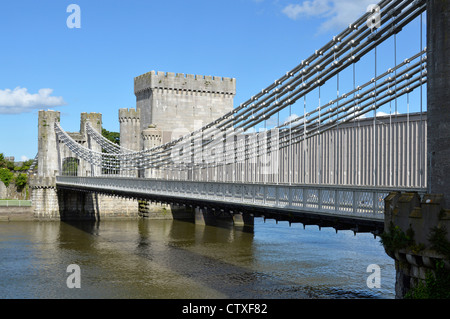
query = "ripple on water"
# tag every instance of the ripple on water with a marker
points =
(175, 259)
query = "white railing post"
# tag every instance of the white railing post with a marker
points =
(290, 196)
(336, 199)
(319, 199)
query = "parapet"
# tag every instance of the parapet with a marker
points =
(48, 116)
(129, 114)
(419, 216)
(185, 82)
(151, 133)
(94, 118)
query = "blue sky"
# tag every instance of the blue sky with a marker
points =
(46, 65)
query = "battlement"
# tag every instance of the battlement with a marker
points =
(185, 82)
(48, 116)
(152, 133)
(129, 114)
(94, 118)
(42, 181)
(410, 211)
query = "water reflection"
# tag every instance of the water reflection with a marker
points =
(177, 259)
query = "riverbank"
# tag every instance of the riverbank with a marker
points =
(16, 213)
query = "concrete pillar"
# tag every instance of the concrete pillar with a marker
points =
(207, 216)
(199, 216)
(438, 97)
(48, 160)
(241, 219)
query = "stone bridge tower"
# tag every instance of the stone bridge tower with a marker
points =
(52, 203)
(425, 222)
(130, 129)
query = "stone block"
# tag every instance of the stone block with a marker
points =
(390, 209)
(3, 190)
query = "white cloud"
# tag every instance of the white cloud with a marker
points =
(381, 113)
(20, 100)
(293, 117)
(307, 8)
(23, 158)
(370, 114)
(337, 13)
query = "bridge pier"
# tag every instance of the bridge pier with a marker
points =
(156, 210)
(417, 229)
(416, 237)
(76, 205)
(241, 219)
(208, 216)
(438, 97)
(43, 185)
(50, 202)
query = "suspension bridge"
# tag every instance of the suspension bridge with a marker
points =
(354, 137)
(334, 164)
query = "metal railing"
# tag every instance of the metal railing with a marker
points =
(15, 203)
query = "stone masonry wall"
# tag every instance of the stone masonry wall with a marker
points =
(179, 103)
(76, 205)
(410, 222)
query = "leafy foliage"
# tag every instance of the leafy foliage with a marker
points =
(112, 136)
(21, 181)
(2, 161)
(25, 166)
(7, 170)
(436, 285)
(396, 238)
(439, 241)
(6, 176)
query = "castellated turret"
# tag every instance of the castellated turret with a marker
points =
(130, 129)
(48, 143)
(179, 104)
(152, 137)
(95, 119)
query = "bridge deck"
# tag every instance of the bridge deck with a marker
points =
(296, 203)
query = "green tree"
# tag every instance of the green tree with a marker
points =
(6, 176)
(2, 161)
(26, 165)
(10, 165)
(112, 136)
(21, 181)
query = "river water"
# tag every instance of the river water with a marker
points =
(178, 259)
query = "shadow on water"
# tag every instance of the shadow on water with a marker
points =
(91, 227)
